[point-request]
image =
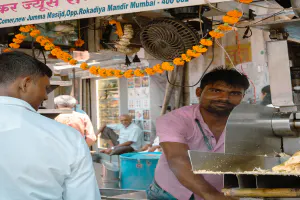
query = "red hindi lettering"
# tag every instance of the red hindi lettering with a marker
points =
(74, 1)
(40, 4)
(5, 7)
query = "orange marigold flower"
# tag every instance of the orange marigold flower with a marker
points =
(185, 57)
(7, 50)
(230, 20)
(20, 36)
(93, 70)
(128, 73)
(73, 62)
(167, 66)
(234, 13)
(224, 27)
(157, 68)
(138, 72)
(178, 62)
(44, 42)
(149, 71)
(55, 51)
(17, 41)
(102, 72)
(245, 1)
(24, 29)
(72, 49)
(109, 72)
(40, 38)
(118, 73)
(79, 43)
(14, 45)
(216, 35)
(84, 66)
(206, 42)
(49, 47)
(35, 33)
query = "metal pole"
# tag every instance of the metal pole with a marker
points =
(74, 90)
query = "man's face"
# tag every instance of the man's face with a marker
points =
(220, 98)
(35, 90)
(126, 121)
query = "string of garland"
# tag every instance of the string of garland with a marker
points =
(230, 19)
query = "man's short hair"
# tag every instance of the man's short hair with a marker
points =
(17, 64)
(230, 76)
(65, 101)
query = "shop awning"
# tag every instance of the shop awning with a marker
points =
(21, 12)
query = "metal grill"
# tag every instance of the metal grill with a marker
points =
(166, 38)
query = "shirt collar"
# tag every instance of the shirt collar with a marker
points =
(16, 102)
(197, 115)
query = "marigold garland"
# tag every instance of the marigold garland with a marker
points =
(231, 18)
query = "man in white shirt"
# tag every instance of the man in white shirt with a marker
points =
(152, 147)
(40, 158)
(130, 135)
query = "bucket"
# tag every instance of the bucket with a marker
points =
(110, 174)
(137, 169)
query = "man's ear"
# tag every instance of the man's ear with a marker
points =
(198, 92)
(24, 83)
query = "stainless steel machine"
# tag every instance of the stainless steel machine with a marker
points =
(255, 135)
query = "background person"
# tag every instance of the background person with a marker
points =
(130, 135)
(81, 122)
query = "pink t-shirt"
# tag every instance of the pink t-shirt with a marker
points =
(180, 126)
(81, 122)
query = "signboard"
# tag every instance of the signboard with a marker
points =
(21, 12)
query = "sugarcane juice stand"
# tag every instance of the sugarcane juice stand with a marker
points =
(259, 138)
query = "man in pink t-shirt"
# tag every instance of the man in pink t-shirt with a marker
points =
(199, 127)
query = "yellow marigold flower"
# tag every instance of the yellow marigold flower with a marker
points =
(79, 43)
(167, 66)
(40, 38)
(84, 66)
(178, 61)
(138, 72)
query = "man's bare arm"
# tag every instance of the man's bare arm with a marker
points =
(179, 163)
(125, 144)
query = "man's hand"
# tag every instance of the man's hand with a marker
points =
(152, 149)
(106, 151)
(179, 163)
(146, 147)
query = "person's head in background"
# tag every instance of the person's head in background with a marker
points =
(125, 120)
(221, 90)
(64, 102)
(24, 77)
(265, 96)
